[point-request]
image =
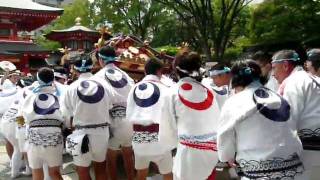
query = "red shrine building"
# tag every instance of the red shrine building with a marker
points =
(23, 16)
(77, 37)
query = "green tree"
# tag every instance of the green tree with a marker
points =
(285, 20)
(211, 22)
(136, 17)
(47, 44)
(80, 8)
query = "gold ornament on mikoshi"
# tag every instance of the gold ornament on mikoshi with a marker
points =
(103, 30)
(184, 48)
(65, 57)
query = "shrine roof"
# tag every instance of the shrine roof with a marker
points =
(26, 14)
(63, 34)
(11, 48)
(27, 5)
(76, 28)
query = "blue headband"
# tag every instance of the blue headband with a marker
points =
(107, 58)
(313, 55)
(219, 72)
(245, 71)
(295, 57)
(83, 67)
(41, 84)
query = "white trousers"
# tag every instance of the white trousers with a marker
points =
(16, 160)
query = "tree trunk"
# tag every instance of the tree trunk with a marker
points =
(207, 51)
(218, 54)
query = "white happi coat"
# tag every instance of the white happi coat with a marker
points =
(8, 121)
(7, 95)
(166, 80)
(42, 113)
(302, 91)
(254, 129)
(21, 131)
(145, 109)
(194, 116)
(272, 84)
(121, 83)
(67, 107)
(221, 93)
(87, 101)
(61, 88)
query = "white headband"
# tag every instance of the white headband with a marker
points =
(219, 72)
(282, 60)
(191, 74)
(60, 75)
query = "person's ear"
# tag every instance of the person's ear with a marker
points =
(318, 71)
(268, 66)
(286, 66)
(159, 72)
(101, 63)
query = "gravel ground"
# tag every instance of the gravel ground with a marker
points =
(68, 170)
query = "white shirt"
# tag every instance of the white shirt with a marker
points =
(302, 91)
(120, 83)
(145, 107)
(255, 137)
(87, 101)
(119, 80)
(12, 111)
(165, 79)
(7, 96)
(194, 114)
(61, 88)
(35, 106)
(272, 84)
(221, 93)
(9, 117)
(40, 107)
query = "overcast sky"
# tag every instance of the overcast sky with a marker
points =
(257, 1)
(253, 2)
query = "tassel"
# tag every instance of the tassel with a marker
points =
(85, 144)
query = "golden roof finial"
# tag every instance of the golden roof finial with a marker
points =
(78, 21)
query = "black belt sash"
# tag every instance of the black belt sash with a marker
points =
(310, 139)
(91, 126)
(274, 169)
(45, 123)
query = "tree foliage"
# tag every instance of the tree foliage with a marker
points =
(206, 24)
(141, 18)
(285, 20)
(211, 22)
(80, 8)
(217, 28)
(47, 44)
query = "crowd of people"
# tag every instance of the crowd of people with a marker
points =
(259, 117)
